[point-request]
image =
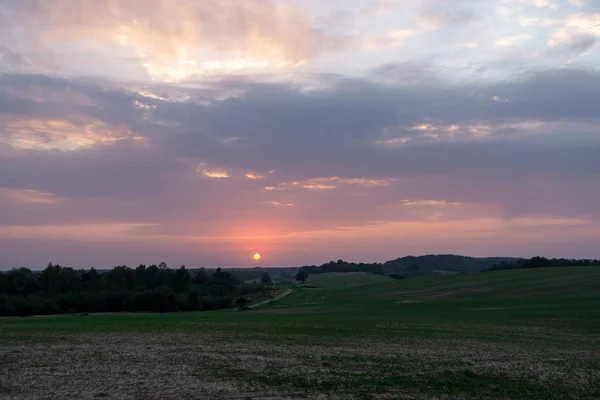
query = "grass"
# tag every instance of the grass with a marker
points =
(522, 334)
(336, 280)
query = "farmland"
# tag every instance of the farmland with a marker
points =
(518, 334)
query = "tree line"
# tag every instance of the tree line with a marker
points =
(411, 265)
(342, 266)
(154, 288)
(543, 262)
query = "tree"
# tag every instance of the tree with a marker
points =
(50, 280)
(301, 276)
(121, 278)
(201, 277)
(193, 298)
(537, 262)
(91, 281)
(266, 279)
(413, 267)
(140, 277)
(224, 278)
(20, 282)
(181, 280)
(152, 277)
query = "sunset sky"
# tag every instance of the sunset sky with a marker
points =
(200, 132)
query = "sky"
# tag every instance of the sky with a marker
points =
(200, 132)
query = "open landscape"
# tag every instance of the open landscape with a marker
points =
(516, 334)
(300, 199)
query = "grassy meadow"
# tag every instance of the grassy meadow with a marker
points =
(518, 334)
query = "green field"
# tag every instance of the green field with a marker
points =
(521, 334)
(345, 279)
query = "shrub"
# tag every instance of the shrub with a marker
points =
(7, 309)
(48, 307)
(182, 302)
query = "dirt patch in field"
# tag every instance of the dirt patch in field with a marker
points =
(235, 366)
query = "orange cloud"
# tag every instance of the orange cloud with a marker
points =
(176, 39)
(459, 230)
(330, 183)
(430, 203)
(280, 203)
(212, 172)
(215, 173)
(253, 176)
(57, 134)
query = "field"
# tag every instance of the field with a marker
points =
(521, 334)
(348, 279)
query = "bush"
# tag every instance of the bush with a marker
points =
(115, 302)
(241, 300)
(153, 301)
(396, 276)
(25, 306)
(223, 302)
(194, 300)
(69, 303)
(7, 309)
(182, 302)
(48, 307)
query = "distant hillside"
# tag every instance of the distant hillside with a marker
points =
(444, 262)
(543, 262)
(413, 265)
(345, 279)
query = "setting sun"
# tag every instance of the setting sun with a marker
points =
(256, 257)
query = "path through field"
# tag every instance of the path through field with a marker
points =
(278, 297)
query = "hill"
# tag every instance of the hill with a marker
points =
(413, 265)
(555, 292)
(345, 279)
(445, 262)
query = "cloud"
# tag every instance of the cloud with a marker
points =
(577, 35)
(375, 8)
(429, 16)
(438, 14)
(212, 172)
(430, 203)
(253, 176)
(170, 41)
(280, 203)
(329, 183)
(405, 118)
(28, 196)
(532, 156)
(392, 38)
(80, 232)
(513, 40)
(61, 134)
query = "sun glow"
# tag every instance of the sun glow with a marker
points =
(256, 257)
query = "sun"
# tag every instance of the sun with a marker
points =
(256, 257)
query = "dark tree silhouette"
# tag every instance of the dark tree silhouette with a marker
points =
(301, 276)
(59, 289)
(266, 279)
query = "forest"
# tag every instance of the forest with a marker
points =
(543, 262)
(156, 288)
(412, 265)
